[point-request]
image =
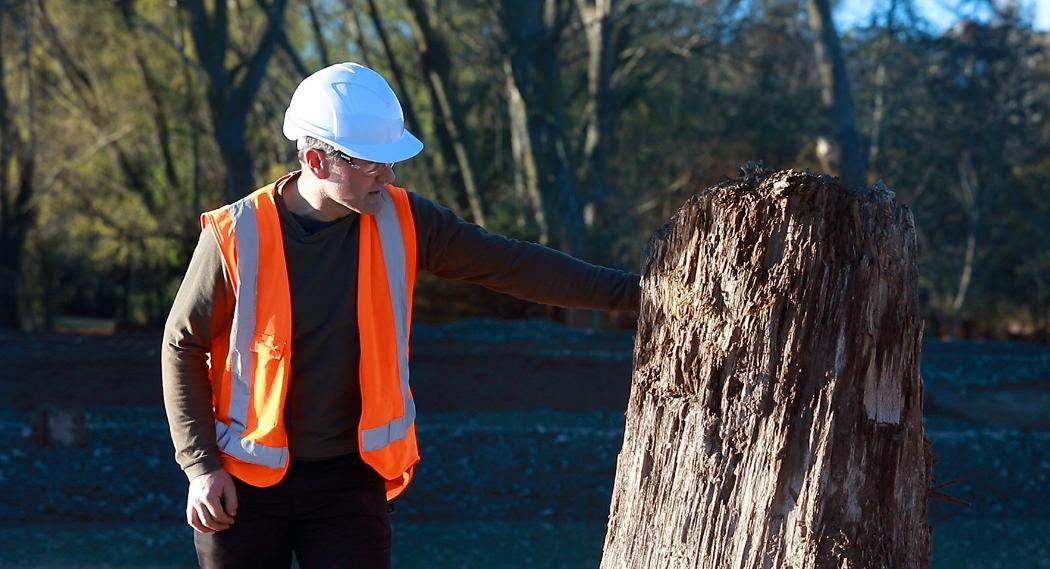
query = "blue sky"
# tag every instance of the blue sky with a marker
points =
(941, 13)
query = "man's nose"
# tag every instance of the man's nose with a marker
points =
(386, 174)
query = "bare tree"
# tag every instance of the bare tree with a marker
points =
(231, 90)
(531, 31)
(89, 96)
(154, 90)
(431, 165)
(448, 118)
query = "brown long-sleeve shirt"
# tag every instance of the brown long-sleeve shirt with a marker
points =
(324, 401)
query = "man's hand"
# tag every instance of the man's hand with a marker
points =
(212, 502)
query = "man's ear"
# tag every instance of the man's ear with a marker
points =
(316, 162)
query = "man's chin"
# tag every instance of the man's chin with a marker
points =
(370, 207)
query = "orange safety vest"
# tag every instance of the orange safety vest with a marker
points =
(249, 390)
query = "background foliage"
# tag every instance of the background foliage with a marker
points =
(582, 124)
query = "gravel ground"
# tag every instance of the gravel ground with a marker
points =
(511, 476)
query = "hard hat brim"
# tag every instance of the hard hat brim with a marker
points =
(398, 151)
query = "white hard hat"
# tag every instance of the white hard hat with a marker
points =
(352, 108)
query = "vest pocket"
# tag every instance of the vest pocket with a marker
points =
(268, 385)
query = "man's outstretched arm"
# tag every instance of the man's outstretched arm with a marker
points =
(452, 248)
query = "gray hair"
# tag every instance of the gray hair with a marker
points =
(307, 142)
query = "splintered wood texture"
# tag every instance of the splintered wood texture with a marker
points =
(775, 418)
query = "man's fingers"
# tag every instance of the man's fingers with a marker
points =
(208, 520)
(194, 521)
(229, 497)
(213, 507)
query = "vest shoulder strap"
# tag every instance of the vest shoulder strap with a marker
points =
(221, 223)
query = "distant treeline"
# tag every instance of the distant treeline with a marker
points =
(582, 124)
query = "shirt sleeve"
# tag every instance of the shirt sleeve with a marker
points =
(452, 248)
(203, 307)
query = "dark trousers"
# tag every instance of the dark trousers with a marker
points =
(331, 513)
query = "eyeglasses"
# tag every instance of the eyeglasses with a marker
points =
(366, 167)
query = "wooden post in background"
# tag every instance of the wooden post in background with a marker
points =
(775, 417)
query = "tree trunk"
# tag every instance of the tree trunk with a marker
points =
(17, 172)
(154, 89)
(531, 30)
(190, 225)
(776, 414)
(16, 217)
(526, 177)
(969, 195)
(597, 24)
(233, 147)
(878, 113)
(232, 90)
(395, 69)
(836, 92)
(315, 23)
(435, 59)
(357, 36)
(433, 169)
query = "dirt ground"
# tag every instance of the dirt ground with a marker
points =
(520, 424)
(487, 365)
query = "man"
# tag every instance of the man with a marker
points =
(285, 356)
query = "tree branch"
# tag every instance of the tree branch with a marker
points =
(138, 22)
(315, 23)
(249, 85)
(289, 50)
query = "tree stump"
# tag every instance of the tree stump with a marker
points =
(58, 426)
(775, 417)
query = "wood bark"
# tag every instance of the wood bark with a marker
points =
(775, 417)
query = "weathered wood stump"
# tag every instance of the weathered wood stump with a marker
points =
(59, 426)
(775, 417)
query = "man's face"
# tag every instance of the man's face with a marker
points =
(356, 184)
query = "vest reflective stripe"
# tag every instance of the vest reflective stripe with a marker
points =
(230, 437)
(379, 437)
(249, 364)
(394, 259)
(231, 442)
(386, 278)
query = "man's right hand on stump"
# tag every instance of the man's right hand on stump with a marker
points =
(212, 502)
